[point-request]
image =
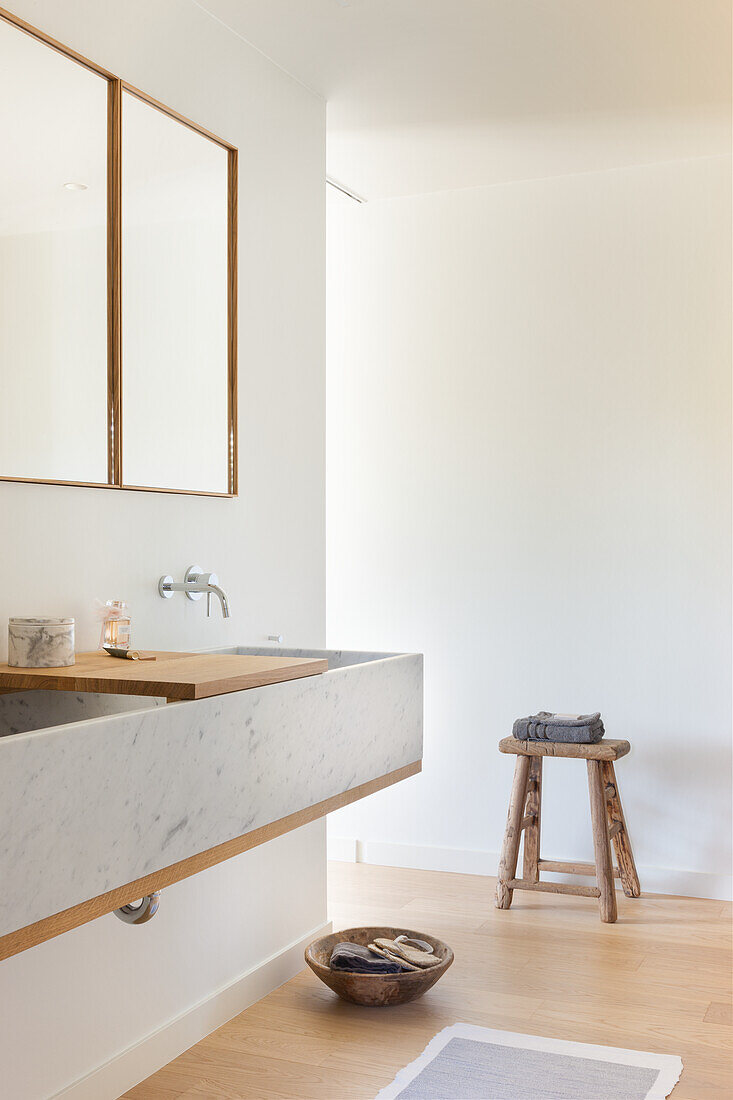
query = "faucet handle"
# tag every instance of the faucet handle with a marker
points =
(193, 576)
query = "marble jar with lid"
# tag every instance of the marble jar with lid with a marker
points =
(40, 643)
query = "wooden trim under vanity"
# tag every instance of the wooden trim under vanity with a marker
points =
(23, 938)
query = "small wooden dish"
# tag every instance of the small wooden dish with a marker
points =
(376, 989)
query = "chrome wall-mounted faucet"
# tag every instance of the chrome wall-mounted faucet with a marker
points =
(196, 584)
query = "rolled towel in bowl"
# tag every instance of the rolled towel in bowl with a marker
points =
(579, 729)
(360, 960)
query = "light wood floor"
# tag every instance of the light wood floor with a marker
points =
(658, 980)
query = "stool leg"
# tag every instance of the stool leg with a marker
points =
(513, 834)
(601, 842)
(530, 870)
(621, 840)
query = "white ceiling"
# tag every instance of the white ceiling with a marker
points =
(426, 95)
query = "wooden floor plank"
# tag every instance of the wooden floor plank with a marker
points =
(719, 1013)
(659, 979)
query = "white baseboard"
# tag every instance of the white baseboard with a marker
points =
(174, 1037)
(654, 880)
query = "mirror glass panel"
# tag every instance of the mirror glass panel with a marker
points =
(53, 283)
(175, 431)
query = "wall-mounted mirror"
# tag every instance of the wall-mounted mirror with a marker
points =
(175, 381)
(118, 245)
(53, 265)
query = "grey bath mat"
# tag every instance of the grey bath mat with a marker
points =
(464, 1062)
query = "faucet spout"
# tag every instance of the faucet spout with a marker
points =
(217, 591)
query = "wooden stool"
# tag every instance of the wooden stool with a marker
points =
(606, 814)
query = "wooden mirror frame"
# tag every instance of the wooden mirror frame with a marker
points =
(115, 412)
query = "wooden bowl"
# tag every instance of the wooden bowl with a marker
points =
(376, 989)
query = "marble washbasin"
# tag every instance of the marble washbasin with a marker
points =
(26, 711)
(99, 791)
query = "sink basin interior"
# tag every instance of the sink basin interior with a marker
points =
(24, 711)
(337, 658)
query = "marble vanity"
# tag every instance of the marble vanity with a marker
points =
(107, 797)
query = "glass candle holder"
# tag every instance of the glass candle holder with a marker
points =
(117, 629)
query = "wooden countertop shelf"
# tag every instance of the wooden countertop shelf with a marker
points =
(177, 676)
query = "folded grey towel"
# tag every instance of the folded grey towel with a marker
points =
(360, 960)
(580, 729)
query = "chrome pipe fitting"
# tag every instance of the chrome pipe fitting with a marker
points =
(142, 911)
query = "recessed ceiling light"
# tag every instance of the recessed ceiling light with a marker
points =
(75, 186)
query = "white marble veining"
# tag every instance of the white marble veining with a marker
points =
(98, 803)
(40, 643)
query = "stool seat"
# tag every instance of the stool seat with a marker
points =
(607, 819)
(602, 750)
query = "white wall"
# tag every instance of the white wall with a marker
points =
(529, 480)
(69, 1006)
(61, 547)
